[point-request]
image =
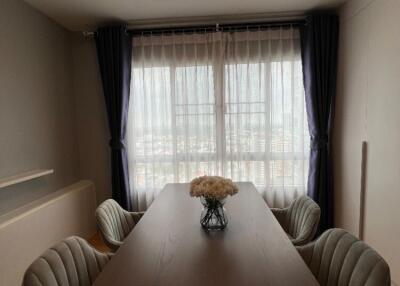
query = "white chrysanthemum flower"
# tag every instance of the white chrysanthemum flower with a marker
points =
(212, 187)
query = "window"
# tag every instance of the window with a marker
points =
(229, 104)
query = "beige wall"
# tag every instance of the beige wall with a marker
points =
(52, 112)
(367, 109)
(37, 117)
(52, 115)
(91, 117)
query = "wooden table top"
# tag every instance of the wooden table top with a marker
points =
(169, 247)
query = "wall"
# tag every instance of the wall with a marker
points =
(367, 109)
(91, 116)
(37, 118)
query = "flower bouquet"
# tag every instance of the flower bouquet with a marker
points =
(213, 191)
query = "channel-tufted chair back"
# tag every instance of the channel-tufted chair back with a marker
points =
(71, 262)
(338, 258)
(300, 220)
(115, 223)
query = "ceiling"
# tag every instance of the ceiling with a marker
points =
(81, 15)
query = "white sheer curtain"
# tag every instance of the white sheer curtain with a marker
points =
(223, 103)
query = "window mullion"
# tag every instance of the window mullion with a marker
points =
(175, 162)
(268, 125)
(218, 66)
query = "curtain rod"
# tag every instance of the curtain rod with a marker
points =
(211, 23)
(216, 27)
(195, 21)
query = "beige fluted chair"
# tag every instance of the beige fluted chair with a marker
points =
(339, 258)
(115, 223)
(299, 220)
(71, 262)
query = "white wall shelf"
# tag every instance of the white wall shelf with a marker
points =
(23, 177)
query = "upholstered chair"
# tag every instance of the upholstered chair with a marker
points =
(71, 262)
(339, 258)
(115, 223)
(299, 220)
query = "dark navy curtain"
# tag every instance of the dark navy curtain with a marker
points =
(114, 48)
(319, 45)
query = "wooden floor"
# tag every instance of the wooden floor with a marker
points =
(97, 242)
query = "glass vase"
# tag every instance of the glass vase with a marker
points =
(213, 216)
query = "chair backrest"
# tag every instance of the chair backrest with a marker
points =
(71, 262)
(339, 258)
(114, 222)
(302, 218)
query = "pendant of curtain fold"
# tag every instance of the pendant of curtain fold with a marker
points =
(114, 47)
(319, 44)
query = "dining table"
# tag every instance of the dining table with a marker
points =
(169, 247)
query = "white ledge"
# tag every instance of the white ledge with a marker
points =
(23, 177)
